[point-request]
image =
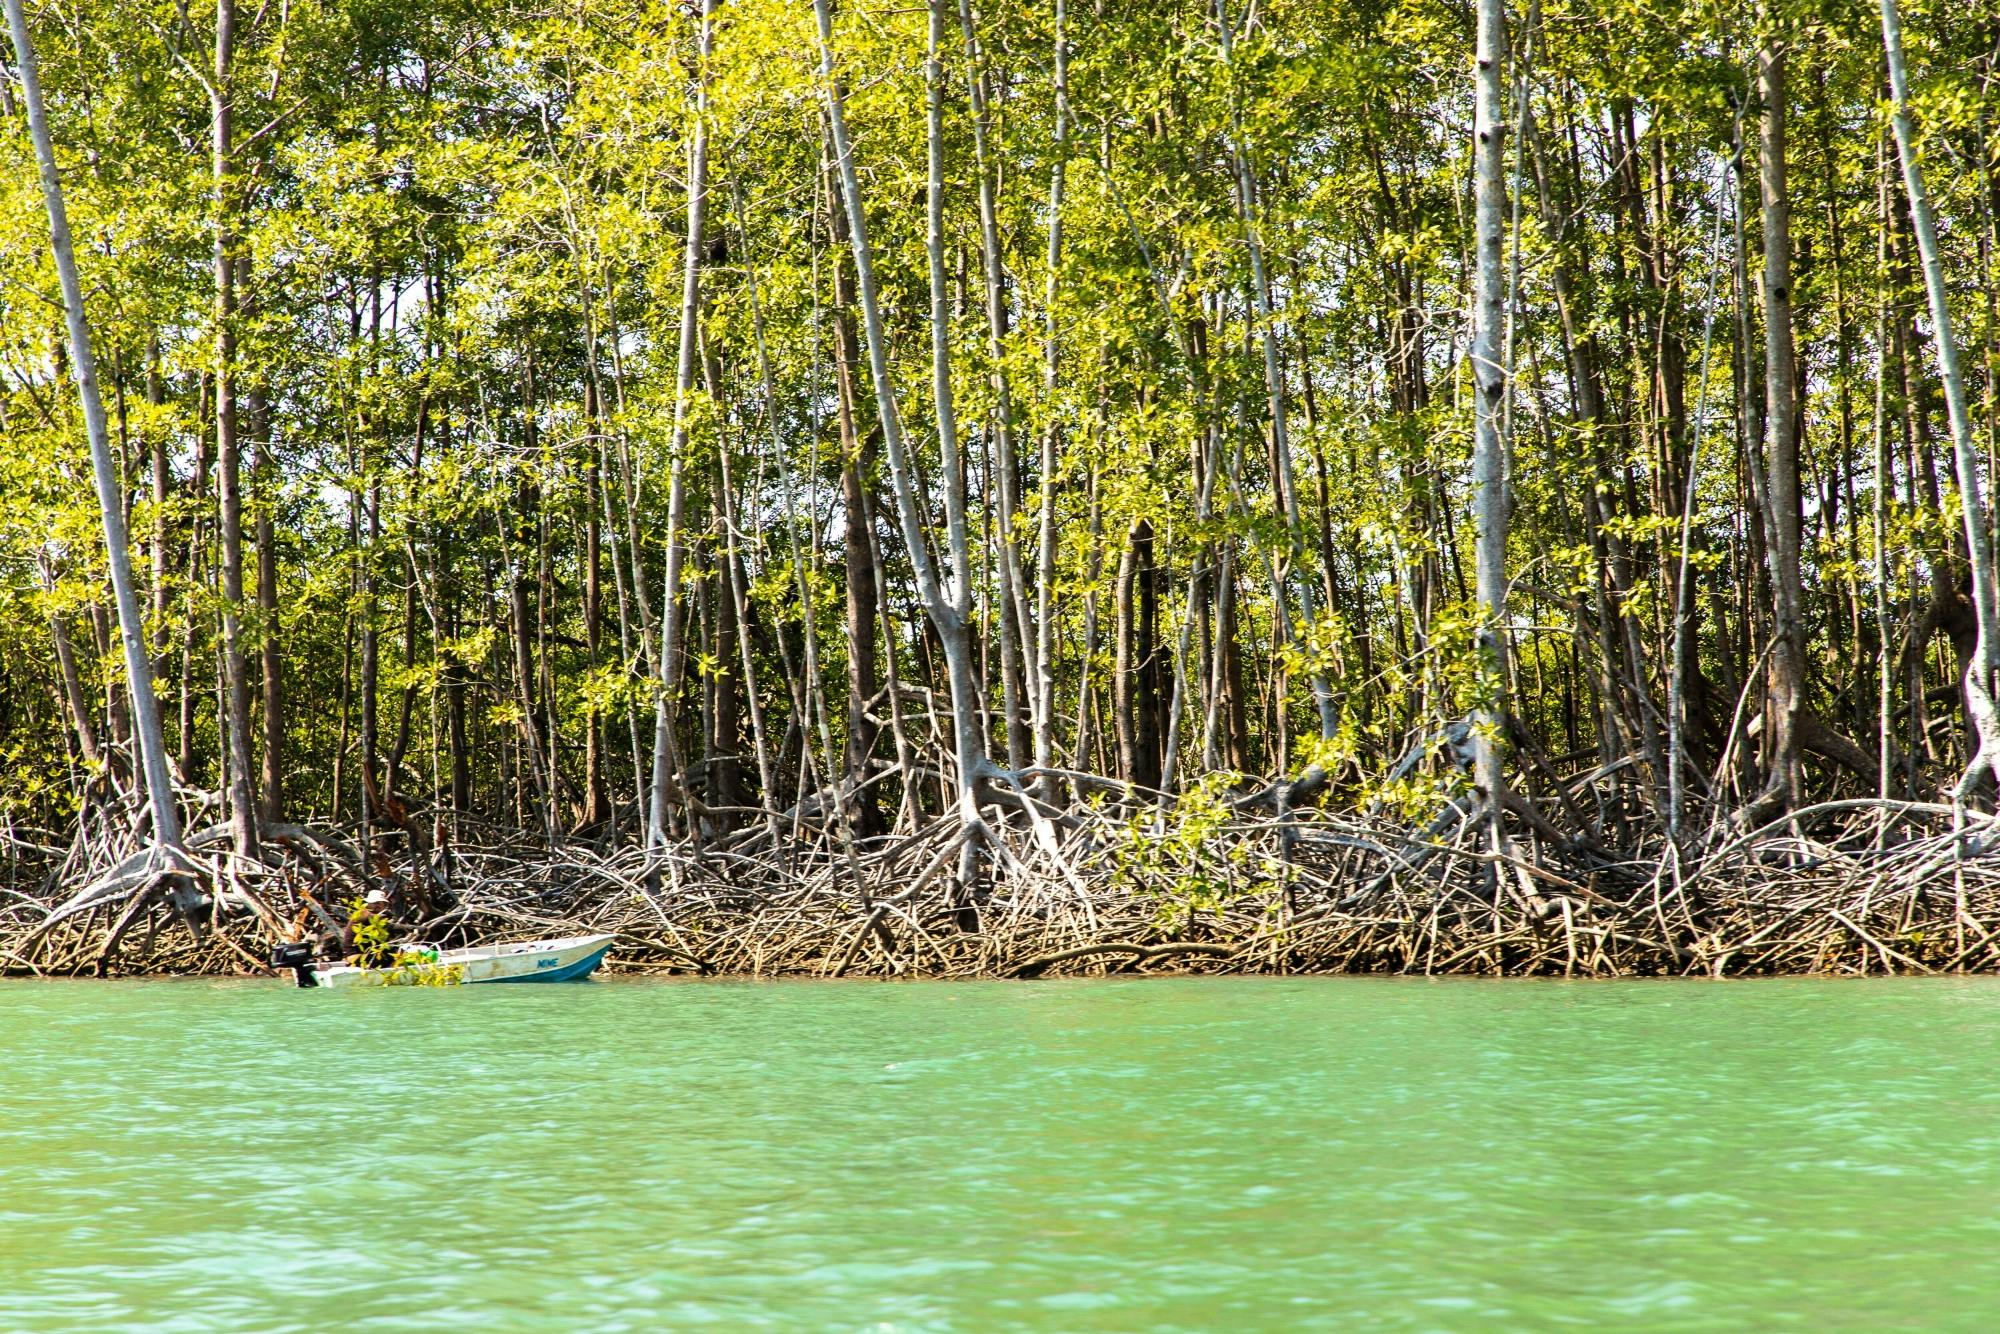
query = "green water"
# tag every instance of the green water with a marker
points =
(1174, 1154)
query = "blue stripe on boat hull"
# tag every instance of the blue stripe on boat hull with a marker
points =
(574, 972)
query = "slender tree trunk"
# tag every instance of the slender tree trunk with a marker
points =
(1489, 478)
(1151, 660)
(1785, 679)
(725, 771)
(520, 619)
(1682, 655)
(1755, 590)
(117, 719)
(625, 655)
(1017, 628)
(666, 767)
(1885, 723)
(73, 696)
(399, 748)
(272, 660)
(371, 644)
(460, 748)
(1234, 701)
(947, 613)
(1126, 652)
(737, 595)
(968, 698)
(596, 795)
(1093, 570)
(864, 595)
(111, 507)
(163, 489)
(228, 457)
(1980, 682)
(1206, 464)
(1045, 563)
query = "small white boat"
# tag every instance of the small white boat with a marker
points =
(570, 959)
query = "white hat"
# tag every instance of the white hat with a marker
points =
(376, 896)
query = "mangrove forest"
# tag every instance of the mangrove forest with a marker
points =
(958, 488)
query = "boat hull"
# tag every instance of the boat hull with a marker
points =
(569, 972)
(571, 959)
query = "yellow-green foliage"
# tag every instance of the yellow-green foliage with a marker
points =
(1169, 855)
(460, 237)
(405, 968)
(411, 968)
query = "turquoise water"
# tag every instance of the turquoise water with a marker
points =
(1187, 1154)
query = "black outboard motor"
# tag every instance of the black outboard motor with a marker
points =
(296, 955)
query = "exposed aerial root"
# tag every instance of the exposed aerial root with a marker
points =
(1093, 887)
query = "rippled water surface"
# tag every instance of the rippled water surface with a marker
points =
(1196, 1154)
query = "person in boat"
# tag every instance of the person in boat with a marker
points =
(371, 950)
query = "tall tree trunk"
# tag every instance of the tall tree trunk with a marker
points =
(666, 767)
(1085, 747)
(596, 794)
(1153, 664)
(371, 649)
(1234, 699)
(968, 699)
(1045, 563)
(625, 637)
(184, 694)
(1124, 657)
(228, 458)
(1785, 679)
(455, 725)
(864, 595)
(725, 774)
(1885, 725)
(111, 507)
(1489, 380)
(1017, 629)
(272, 660)
(1980, 682)
(163, 489)
(736, 589)
(947, 613)
(1135, 685)
(521, 626)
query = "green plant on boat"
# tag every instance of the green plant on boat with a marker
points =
(397, 968)
(416, 968)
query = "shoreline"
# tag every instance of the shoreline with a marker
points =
(1847, 889)
(624, 971)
